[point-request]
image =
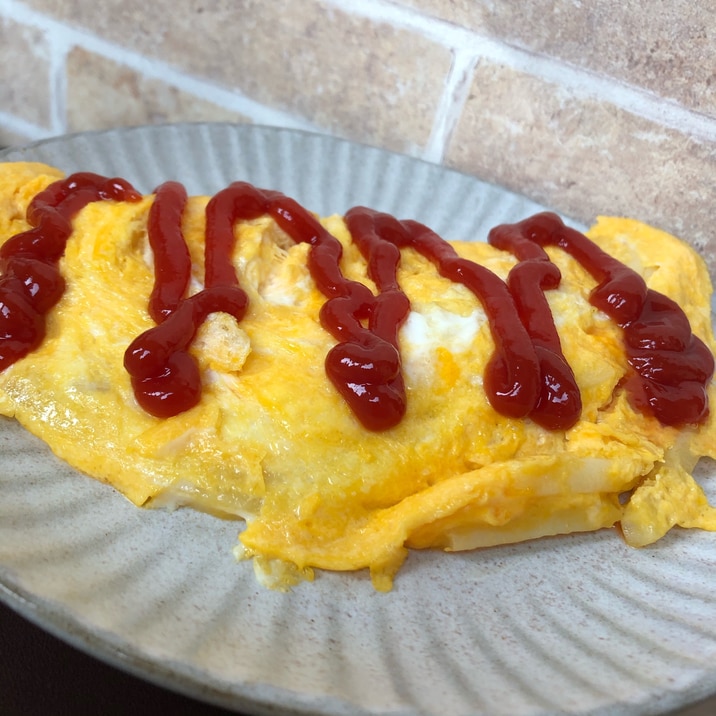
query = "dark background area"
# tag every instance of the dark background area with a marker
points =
(41, 675)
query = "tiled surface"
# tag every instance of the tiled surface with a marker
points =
(348, 74)
(25, 75)
(666, 48)
(590, 107)
(584, 156)
(102, 94)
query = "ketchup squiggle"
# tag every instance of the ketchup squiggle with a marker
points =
(165, 376)
(31, 283)
(527, 374)
(671, 366)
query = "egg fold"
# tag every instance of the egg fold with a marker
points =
(272, 443)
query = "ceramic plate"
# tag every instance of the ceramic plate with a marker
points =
(575, 625)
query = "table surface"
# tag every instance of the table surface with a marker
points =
(41, 675)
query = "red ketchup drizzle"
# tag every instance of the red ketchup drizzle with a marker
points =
(511, 378)
(527, 375)
(31, 283)
(671, 366)
(164, 375)
(559, 403)
(512, 373)
(365, 366)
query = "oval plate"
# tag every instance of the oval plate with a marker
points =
(571, 625)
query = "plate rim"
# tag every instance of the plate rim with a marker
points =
(70, 628)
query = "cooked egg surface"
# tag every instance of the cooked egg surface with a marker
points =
(272, 442)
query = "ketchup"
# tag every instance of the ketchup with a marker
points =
(559, 404)
(31, 282)
(670, 366)
(527, 375)
(365, 365)
(165, 376)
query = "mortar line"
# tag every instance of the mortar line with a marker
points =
(581, 82)
(463, 42)
(24, 127)
(230, 99)
(450, 106)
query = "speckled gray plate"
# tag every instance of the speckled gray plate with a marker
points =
(573, 625)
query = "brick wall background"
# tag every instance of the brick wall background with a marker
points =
(590, 106)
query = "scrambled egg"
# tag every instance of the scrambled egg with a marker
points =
(272, 442)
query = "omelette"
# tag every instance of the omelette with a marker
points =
(354, 387)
